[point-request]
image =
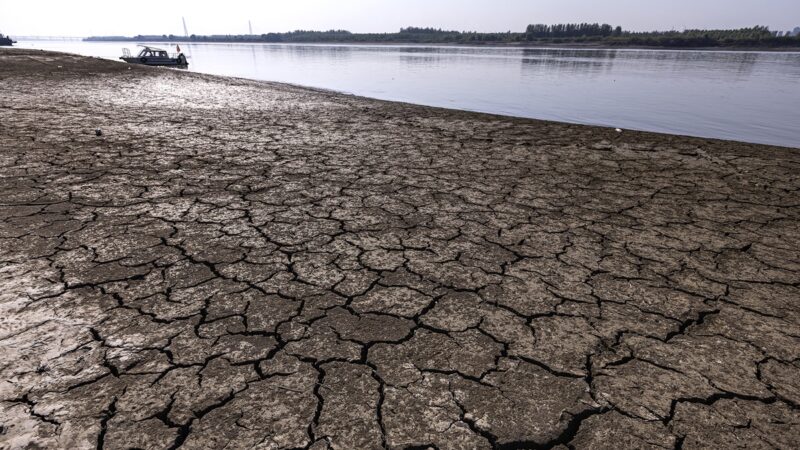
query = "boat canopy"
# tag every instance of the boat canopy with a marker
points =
(147, 47)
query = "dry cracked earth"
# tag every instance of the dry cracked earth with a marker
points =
(238, 264)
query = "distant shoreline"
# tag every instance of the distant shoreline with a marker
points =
(565, 46)
(589, 35)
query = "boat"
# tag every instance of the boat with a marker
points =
(6, 40)
(152, 56)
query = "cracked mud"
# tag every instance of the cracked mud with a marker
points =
(239, 264)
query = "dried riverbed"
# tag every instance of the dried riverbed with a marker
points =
(244, 264)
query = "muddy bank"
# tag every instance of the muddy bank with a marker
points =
(247, 264)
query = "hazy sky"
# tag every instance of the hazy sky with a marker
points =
(97, 17)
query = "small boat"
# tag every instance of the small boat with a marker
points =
(6, 40)
(151, 56)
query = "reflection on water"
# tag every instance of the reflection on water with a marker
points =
(747, 96)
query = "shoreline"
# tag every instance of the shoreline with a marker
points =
(499, 115)
(207, 261)
(564, 46)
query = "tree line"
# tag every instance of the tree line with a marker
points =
(538, 31)
(578, 33)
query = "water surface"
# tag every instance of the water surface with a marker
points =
(743, 96)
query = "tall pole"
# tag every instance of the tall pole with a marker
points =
(250, 24)
(185, 30)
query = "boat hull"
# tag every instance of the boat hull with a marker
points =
(155, 61)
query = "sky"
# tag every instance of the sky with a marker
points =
(104, 17)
